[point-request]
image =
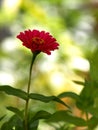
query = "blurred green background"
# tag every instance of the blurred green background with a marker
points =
(74, 23)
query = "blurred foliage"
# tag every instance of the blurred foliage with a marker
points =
(75, 26)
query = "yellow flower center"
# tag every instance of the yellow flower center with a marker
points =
(37, 40)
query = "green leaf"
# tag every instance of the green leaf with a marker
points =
(33, 123)
(69, 94)
(16, 122)
(93, 111)
(66, 117)
(92, 123)
(13, 123)
(86, 97)
(41, 115)
(5, 126)
(87, 89)
(84, 104)
(46, 99)
(16, 111)
(13, 91)
(94, 65)
(1, 118)
(78, 82)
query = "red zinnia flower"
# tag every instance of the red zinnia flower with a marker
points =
(38, 41)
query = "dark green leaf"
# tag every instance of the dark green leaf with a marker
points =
(40, 115)
(86, 97)
(33, 123)
(1, 118)
(84, 104)
(66, 117)
(79, 82)
(94, 65)
(6, 126)
(93, 111)
(46, 99)
(69, 94)
(87, 89)
(16, 122)
(92, 123)
(13, 91)
(16, 111)
(13, 123)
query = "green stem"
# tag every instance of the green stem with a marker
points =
(87, 118)
(28, 91)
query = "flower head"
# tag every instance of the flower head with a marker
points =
(38, 41)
